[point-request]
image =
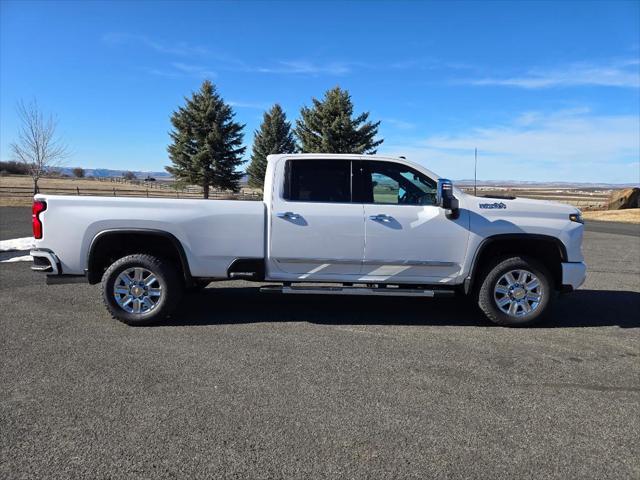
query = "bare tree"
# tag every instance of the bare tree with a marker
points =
(128, 175)
(37, 146)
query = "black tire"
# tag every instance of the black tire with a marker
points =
(487, 296)
(168, 278)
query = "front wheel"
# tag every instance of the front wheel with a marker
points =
(516, 291)
(141, 289)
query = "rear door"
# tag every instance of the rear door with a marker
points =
(316, 232)
(407, 237)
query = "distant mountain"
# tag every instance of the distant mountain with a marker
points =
(522, 184)
(107, 173)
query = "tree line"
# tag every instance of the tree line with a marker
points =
(206, 147)
(207, 143)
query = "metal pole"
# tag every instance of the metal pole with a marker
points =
(475, 175)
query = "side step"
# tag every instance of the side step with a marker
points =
(383, 292)
(244, 276)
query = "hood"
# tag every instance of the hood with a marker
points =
(511, 205)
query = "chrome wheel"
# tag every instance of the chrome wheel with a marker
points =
(137, 290)
(518, 293)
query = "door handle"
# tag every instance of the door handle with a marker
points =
(381, 217)
(288, 215)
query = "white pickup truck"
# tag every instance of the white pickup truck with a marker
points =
(328, 224)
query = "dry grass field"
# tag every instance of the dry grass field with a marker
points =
(17, 190)
(630, 215)
(55, 182)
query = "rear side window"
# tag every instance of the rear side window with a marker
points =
(318, 181)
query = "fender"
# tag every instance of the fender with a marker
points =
(505, 237)
(147, 231)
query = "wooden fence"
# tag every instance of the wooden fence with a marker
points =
(123, 191)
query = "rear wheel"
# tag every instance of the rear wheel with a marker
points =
(516, 291)
(140, 289)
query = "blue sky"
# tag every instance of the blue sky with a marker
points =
(545, 90)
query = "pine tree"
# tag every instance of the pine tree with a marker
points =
(328, 126)
(274, 136)
(207, 143)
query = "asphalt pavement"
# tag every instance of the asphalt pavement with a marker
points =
(239, 384)
(15, 222)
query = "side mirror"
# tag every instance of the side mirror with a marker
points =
(445, 198)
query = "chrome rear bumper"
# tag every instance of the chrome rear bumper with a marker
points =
(45, 261)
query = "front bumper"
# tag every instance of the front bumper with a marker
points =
(573, 275)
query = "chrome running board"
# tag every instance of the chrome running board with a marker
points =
(337, 290)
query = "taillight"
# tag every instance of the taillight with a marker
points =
(39, 206)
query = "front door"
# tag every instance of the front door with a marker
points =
(316, 231)
(408, 238)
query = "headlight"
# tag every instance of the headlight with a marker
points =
(576, 217)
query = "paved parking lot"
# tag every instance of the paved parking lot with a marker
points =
(244, 385)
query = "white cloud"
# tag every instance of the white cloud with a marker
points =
(571, 145)
(250, 105)
(622, 73)
(163, 73)
(224, 61)
(193, 70)
(178, 69)
(399, 124)
(305, 67)
(178, 48)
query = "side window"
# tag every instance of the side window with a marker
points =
(396, 184)
(385, 188)
(318, 181)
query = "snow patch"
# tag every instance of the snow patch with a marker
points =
(17, 244)
(23, 258)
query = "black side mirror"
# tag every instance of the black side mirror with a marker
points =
(445, 198)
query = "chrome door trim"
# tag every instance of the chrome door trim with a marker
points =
(334, 261)
(414, 263)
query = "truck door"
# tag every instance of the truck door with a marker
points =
(316, 232)
(408, 238)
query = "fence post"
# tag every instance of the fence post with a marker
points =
(147, 193)
(114, 191)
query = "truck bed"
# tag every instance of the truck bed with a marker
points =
(212, 232)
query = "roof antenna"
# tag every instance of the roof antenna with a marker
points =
(475, 175)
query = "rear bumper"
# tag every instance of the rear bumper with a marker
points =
(573, 275)
(45, 261)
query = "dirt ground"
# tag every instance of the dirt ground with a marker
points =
(631, 215)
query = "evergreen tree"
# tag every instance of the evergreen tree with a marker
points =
(328, 126)
(274, 136)
(207, 143)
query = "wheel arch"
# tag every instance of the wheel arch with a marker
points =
(111, 244)
(546, 249)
